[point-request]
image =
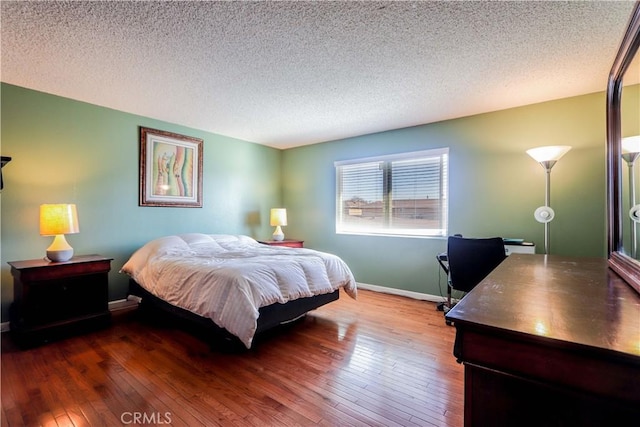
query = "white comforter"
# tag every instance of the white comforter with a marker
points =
(228, 278)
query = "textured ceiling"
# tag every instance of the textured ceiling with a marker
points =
(286, 74)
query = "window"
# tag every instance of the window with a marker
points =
(403, 194)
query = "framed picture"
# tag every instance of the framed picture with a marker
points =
(170, 169)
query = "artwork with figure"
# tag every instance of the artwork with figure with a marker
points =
(173, 169)
(170, 169)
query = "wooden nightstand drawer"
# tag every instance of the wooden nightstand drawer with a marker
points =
(61, 299)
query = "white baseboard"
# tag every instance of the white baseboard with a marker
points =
(402, 292)
(130, 303)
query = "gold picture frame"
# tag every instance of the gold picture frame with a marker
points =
(170, 169)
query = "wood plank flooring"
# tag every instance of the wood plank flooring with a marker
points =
(382, 360)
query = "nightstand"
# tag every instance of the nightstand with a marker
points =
(287, 243)
(56, 299)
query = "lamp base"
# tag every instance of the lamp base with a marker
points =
(60, 256)
(278, 235)
(59, 250)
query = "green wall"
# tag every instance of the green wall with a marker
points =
(494, 188)
(69, 151)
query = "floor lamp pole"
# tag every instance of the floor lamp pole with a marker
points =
(547, 202)
(630, 158)
(547, 165)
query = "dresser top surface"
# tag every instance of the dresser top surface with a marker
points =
(42, 262)
(578, 301)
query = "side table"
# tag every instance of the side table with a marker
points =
(56, 299)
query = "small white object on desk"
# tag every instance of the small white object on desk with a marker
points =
(524, 248)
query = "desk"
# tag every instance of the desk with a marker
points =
(550, 340)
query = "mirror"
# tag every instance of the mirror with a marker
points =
(623, 77)
(630, 132)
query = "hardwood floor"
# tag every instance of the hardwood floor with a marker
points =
(382, 360)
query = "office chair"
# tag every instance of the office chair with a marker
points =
(468, 261)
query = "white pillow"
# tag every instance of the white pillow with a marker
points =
(155, 247)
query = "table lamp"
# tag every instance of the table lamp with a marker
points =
(278, 217)
(58, 220)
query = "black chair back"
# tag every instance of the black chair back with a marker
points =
(471, 260)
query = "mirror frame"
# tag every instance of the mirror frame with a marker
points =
(627, 267)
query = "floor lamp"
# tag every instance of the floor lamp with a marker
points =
(630, 152)
(547, 156)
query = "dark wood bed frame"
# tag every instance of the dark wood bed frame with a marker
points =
(270, 316)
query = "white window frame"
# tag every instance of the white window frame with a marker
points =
(384, 226)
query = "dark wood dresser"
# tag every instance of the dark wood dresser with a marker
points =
(550, 341)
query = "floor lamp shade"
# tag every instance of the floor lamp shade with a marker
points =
(548, 153)
(278, 218)
(631, 144)
(58, 220)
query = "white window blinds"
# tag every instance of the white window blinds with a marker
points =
(404, 194)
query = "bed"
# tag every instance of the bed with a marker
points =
(233, 283)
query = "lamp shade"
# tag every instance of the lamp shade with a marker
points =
(58, 219)
(548, 153)
(631, 144)
(278, 216)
